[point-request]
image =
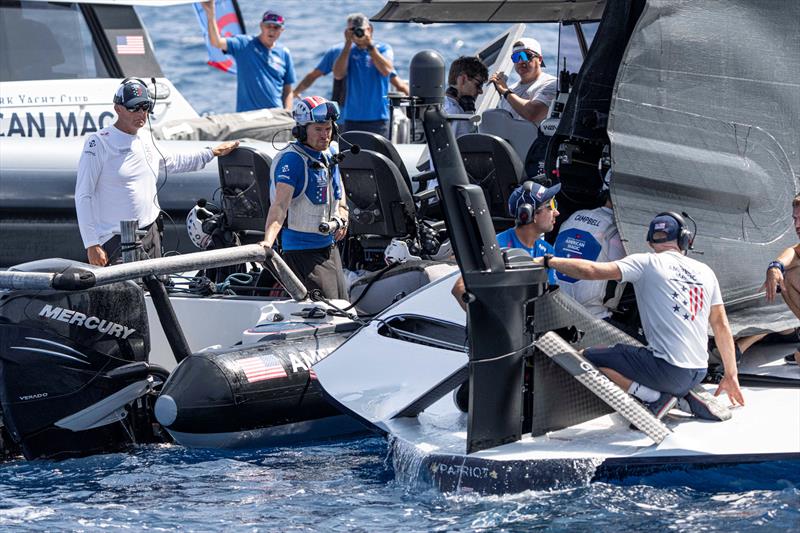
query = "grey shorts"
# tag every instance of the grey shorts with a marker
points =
(639, 364)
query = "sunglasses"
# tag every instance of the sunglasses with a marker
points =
(523, 56)
(325, 112)
(552, 204)
(144, 106)
(478, 82)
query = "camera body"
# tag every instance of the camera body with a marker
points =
(358, 32)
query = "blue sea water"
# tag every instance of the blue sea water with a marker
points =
(350, 486)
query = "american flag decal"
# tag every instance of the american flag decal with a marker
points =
(695, 300)
(261, 368)
(130, 45)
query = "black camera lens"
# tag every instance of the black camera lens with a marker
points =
(358, 32)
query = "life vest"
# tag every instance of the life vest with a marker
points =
(592, 235)
(303, 214)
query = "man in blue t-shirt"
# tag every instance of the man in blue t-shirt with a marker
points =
(534, 209)
(366, 67)
(264, 71)
(306, 191)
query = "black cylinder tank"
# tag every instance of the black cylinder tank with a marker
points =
(264, 385)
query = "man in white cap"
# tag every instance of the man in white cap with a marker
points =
(118, 172)
(528, 99)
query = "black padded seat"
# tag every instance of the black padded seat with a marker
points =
(492, 164)
(379, 199)
(380, 144)
(244, 185)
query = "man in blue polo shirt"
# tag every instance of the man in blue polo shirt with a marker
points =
(534, 209)
(307, 193)
(366, 67)
(264, 71)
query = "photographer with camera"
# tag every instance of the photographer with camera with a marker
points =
(366, 66)
(306, 191)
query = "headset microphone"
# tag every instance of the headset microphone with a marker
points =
(202, 212)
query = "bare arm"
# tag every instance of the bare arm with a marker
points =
(308, 81)
(722, 334)
(458, 292)
(788, 258)
(532, 110)
(340, 65)
(288, 95)
(583, 269)
(216, 40)
(381, 62)
(277, 213)
(344, 213)
(400, 84)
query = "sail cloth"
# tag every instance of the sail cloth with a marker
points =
(229, 22)
(706, 119)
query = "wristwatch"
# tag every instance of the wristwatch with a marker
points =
(546, 260)
(505, 94)
(776, 264)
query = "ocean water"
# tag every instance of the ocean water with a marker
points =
(351, 486)
(312, 26)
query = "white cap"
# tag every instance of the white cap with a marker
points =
(528, 43)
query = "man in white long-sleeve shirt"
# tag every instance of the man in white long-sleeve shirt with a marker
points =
(117, 175)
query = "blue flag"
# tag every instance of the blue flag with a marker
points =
(229, 25)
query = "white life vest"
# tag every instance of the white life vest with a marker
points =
(592, 235)
(303, 214)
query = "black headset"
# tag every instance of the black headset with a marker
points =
(685, 235)
(118, 99)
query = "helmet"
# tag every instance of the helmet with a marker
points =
(314, 109)
(194, 226)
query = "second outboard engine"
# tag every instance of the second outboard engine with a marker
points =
(74, 377)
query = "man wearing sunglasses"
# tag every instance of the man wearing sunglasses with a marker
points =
(306, 192)
(529, 99)
(264, 70)
(534, 209)
(117, 177)
(465, 82)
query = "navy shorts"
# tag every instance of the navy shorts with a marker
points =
(637, 363)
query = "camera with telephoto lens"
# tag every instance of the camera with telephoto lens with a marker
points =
(358, 32)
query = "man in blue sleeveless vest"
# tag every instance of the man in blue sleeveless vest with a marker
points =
(534, 209)
(306, 192)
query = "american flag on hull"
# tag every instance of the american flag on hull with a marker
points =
(130, 45)
(261, 368)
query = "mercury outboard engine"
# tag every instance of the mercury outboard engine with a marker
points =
(74, 377)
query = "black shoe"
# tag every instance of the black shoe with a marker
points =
(790, 360)
(779, 338)
(703, 405)
(658, 408)
(662, 406)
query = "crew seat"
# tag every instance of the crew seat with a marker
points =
(244, 192)
(492, 164)
(380, 202)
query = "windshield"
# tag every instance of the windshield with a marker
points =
(44, 41)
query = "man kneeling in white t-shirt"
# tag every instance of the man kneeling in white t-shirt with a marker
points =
(678, 298)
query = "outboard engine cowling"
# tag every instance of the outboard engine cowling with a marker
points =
(71, 364)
